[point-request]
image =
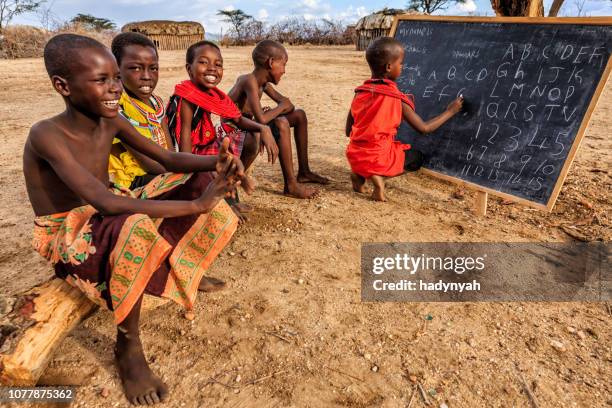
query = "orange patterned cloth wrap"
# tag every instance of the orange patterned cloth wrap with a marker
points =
(114, 259)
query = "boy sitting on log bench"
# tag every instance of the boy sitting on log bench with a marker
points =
(114, 243)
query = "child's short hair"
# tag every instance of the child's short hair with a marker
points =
(125, 39)
(191, 51)
(266, 49)
(61, 52)
(380, 52)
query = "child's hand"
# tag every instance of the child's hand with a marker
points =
(267, 142)
(286, 106)
(229, 168)
(456, 105)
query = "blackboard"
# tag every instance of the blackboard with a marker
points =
(530, 86)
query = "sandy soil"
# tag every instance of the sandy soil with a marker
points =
(293, 270)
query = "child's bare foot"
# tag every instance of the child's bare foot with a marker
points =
(241, 217)
(140, 385)
(209, 284)
(310, 177)
(243, 208)
(298, 190)
(248, 184)
(358, 183)
(379, 188)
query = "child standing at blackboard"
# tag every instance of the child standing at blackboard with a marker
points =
(376, 113)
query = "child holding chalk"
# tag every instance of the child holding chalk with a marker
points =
(376, 112)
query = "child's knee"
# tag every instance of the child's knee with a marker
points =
(282, 123)
(300, 115)
(251, 144)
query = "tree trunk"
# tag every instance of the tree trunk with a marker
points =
(518, 8)
(554, 9)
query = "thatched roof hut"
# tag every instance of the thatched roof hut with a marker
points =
(376, 25)
(168, 35)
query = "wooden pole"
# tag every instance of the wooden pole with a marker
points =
(481, 203)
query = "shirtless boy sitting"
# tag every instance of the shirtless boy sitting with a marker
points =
(116, 244)
(270, 59)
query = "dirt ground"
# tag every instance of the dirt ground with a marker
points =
(291, 330)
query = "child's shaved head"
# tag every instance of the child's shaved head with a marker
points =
(382, 51)
(126, 39)
(191, 51)
(61, 53)
(266, 49)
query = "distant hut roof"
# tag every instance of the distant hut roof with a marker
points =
(165, 27)
(382, 19)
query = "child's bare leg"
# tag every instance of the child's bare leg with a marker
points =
(298, 121)
(358, 183)
(209, 284)
(250, 149)
(140, 385)
(292, 187)
(379, 188)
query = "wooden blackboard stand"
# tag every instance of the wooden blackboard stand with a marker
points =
(482, 191)
(481, 203)
(482, 196)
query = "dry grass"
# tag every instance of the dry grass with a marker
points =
(22, 41)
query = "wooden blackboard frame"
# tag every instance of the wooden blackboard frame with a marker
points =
(585, 120)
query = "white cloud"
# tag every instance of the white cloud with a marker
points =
(262, 14)
(468, 7)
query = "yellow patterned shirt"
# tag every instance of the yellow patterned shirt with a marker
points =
(147, 121)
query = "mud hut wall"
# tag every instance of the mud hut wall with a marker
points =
(365, 37)
(174, 42)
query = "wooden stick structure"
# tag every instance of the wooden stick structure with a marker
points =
(481, 203)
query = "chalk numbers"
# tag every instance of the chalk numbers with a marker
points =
(494, 144)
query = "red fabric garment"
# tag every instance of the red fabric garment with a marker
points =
(377, 113)
(204, 133)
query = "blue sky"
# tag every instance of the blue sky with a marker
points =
(204, 11)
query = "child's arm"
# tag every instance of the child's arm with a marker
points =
(171, 161)
(55, 151)
(349, 124)
(251, 89)
(431, 125)
(186, 118)
(148, 165)
(283, 102)
(164, 126)
(267, 140)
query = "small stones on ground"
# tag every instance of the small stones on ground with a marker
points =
(571, 329)
(428, 317)
(104, 392)
(238, 378)
(231, 253)
(581, 334)
(300, 281)
(443, 405)
(557, 345)
(367, 356)
(189, 315)
(413, 379)
(375, 368)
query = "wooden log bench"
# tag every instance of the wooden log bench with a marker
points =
(34, 324)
